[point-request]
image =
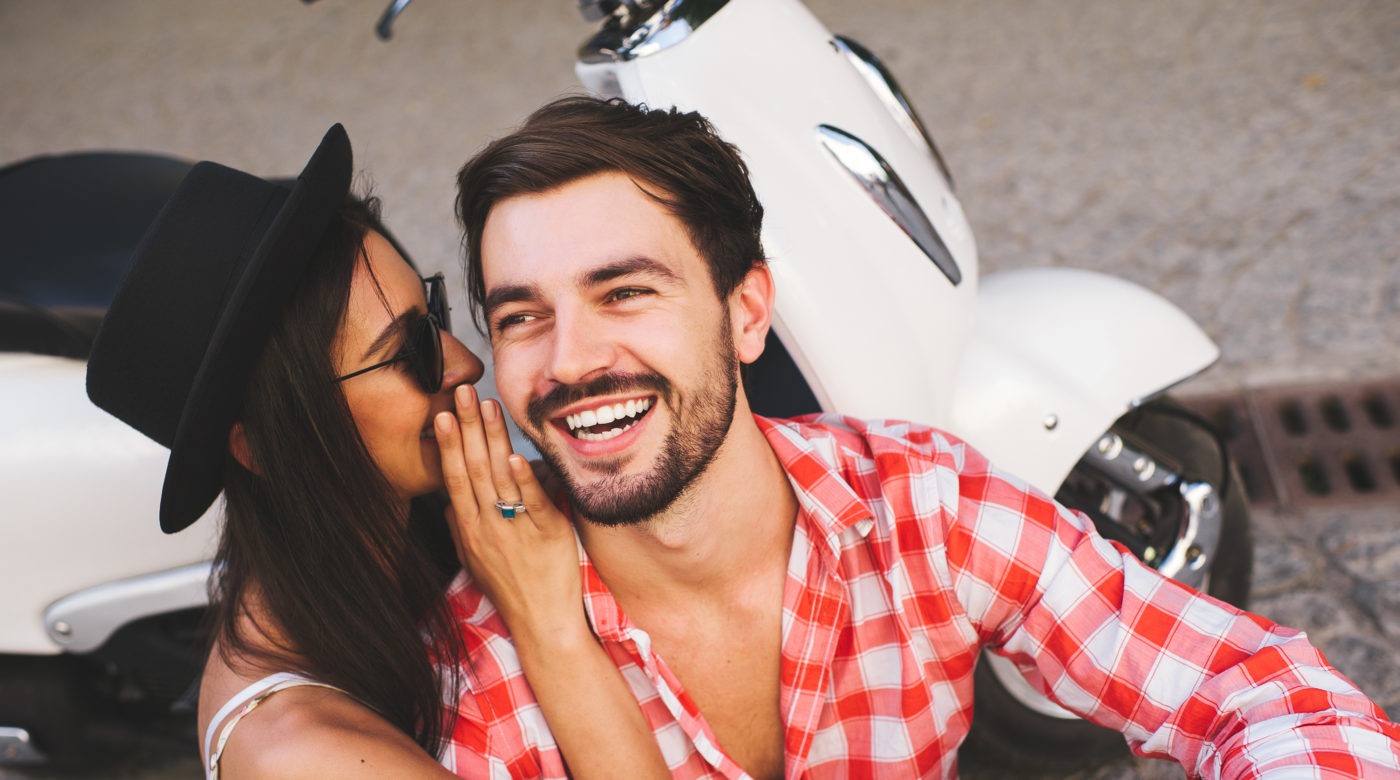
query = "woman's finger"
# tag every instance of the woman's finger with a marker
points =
(499, 449)
(454, 475)
(542, 511)
(474, 447)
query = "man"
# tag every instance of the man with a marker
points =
(808, 597)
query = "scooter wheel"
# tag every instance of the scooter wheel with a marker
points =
(1008, 734)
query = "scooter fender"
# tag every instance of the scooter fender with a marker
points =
(83, 553)
(1056, 355)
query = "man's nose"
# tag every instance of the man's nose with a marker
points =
(581, 349)
(460, 366)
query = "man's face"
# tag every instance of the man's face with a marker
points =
(612, 350)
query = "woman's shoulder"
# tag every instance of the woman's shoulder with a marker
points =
(314, 732)
(291, 727)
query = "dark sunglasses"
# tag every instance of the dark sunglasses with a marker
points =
(424, 348)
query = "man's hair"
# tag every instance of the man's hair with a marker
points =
(675, 157)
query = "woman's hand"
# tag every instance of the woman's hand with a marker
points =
(527, 565)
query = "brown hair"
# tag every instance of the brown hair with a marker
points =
(675, 157)
(351, 590)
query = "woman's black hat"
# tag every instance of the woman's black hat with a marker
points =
(193, 314)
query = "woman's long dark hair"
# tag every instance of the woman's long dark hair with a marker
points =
(347, 590)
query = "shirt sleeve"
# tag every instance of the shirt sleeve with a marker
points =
(496, 729)
(1180, 674)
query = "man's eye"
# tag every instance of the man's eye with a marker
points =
(627, 292)
(511, 320)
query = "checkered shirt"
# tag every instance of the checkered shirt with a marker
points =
(911, 554)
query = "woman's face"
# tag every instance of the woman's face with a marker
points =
(391, 411)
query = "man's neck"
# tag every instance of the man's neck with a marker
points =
(726, 532)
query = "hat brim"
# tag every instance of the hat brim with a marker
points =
(194, 474)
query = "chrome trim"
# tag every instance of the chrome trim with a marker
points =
(888, 191)
(1198, 528)
(16, 748)
(85, 620)
(882, 82)
(1188, 561)
(385, 28)
(623, 39)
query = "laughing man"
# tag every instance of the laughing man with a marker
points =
(809, 598)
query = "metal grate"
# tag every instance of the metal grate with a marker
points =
(1315, 445)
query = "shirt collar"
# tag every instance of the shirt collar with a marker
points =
(814, 457)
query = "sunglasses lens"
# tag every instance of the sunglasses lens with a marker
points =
(427, 354)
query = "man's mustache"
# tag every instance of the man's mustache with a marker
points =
(540, 410)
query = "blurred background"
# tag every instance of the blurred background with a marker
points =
(1242, 159)
(1239, 158)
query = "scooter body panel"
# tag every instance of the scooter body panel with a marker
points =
(1056, 356)
(875, 327)
(81, 492)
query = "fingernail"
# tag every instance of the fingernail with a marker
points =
(488, 410)
(466, 395)
(443, 421)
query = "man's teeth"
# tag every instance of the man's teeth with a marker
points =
(605, 414)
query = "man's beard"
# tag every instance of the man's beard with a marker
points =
(699, 428)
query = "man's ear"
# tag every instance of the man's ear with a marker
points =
(751, 312)
(238, 448)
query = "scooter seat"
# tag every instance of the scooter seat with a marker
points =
(71, 223)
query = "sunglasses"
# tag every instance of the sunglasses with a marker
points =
(424, 348)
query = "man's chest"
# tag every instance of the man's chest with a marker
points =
(734, 683)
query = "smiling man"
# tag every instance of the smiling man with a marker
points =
(807, 598)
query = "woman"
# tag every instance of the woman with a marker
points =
(277, 341)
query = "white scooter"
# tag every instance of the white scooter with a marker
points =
(1056, 375)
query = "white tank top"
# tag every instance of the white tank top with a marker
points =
(245, 701)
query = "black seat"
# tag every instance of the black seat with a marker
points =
(775, 385)
(69, 225)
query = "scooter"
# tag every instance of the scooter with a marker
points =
(100, 621)
(1056, 375)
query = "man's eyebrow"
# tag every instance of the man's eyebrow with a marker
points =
(508, 293)
(626, 267)
(514, 293)
(391, 330)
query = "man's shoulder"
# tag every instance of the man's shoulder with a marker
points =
(476, 617)
(841, 437)
(487, 655)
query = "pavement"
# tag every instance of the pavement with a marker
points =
(1241, 159)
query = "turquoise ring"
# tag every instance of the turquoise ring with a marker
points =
(509, 510)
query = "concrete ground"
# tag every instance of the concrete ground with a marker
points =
(1242, 159)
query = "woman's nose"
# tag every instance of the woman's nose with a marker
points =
(460, 366)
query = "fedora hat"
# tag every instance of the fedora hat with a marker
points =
(191, 317)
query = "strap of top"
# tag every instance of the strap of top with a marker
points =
(248, 699)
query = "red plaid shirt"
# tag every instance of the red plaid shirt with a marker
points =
(911, 554)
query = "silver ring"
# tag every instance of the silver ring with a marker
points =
(509, 510)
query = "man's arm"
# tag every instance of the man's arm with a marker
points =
(1182, 675)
